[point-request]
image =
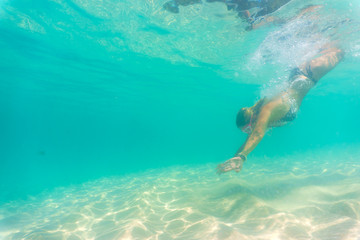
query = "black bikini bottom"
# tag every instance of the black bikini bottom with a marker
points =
(298, 72)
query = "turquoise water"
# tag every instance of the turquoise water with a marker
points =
(114, 115)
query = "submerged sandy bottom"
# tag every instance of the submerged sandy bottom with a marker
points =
(308, 196)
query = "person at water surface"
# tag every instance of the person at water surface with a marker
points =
(253, 11)
(282, 108)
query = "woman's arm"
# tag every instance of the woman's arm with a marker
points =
(257, 134)
(251, 142)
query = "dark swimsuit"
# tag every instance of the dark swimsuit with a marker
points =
(294, 75)
(298, 72)
(292, 113)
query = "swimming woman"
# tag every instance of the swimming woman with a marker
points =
(280, 109)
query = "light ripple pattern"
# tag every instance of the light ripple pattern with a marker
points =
(293, 197)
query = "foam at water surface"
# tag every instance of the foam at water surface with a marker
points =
(201, 35)
(297, 197)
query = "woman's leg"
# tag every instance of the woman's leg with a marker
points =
(320, 66)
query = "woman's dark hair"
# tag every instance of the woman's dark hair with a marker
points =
(242, 118)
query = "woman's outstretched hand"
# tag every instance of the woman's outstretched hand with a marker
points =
(234, 163)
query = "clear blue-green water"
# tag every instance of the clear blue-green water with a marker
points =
(114, 115)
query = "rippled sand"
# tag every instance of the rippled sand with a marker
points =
(307, 196)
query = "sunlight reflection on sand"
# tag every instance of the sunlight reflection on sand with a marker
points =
(297, 197)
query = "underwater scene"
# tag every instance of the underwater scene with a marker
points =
(179, 119)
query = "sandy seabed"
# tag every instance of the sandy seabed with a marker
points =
(307, 196)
